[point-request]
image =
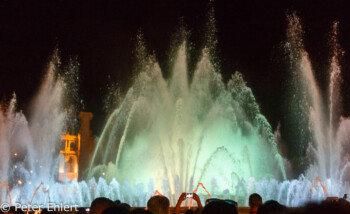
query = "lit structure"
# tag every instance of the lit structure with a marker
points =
(73, 156)
(69, 167)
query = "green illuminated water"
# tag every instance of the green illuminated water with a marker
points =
(182, 131)
(169, 134)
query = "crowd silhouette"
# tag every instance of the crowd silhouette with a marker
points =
(159, 204)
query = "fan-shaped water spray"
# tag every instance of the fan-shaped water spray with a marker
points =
(28, 149)
(189, 131)
(170, 134)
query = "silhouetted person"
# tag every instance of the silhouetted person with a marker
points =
(343, 202)
(219, 207)
(100, 204)
(158, 204)
(19, 211)
(255, 201)
(189, 212)
(272, 207)
(80, 210)
(345, 197)
(126, 205)
(183, 198)
(49, 211)
(116, 209)
(13, 210)
(328, 207)
(140, 211)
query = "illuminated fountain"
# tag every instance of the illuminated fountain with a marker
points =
(179, 132)
(170, 134)
(329, 141)
(28, 150)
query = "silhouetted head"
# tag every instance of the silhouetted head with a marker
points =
(255, 200)
(140, 211)
(271, 207)
(15, 210)
(344, 203)
(126, 205)
(81, 210)
(219, 207)
(116, 209)
(49, 211)
(158, 204)
(100, 204)
(339, 206)
(198, 210)
(189, 212)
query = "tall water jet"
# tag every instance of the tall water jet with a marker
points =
(29, 148)
(328, 132)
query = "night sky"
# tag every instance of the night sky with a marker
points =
(102, 35)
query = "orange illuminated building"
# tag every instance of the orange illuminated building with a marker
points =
(76, 151)
(69, 168)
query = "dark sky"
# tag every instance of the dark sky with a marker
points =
(102, 34)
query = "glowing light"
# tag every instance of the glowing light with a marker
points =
(31, 171)
(194, 191)
(71, 156)
(19, 182)
(15, 166)
(103, 173)
(29, 182)
(156, 193)
(314, 186)
(15, 154)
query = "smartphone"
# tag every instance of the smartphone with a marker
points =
(189, 195)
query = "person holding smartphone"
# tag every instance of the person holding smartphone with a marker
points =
(185, 196)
